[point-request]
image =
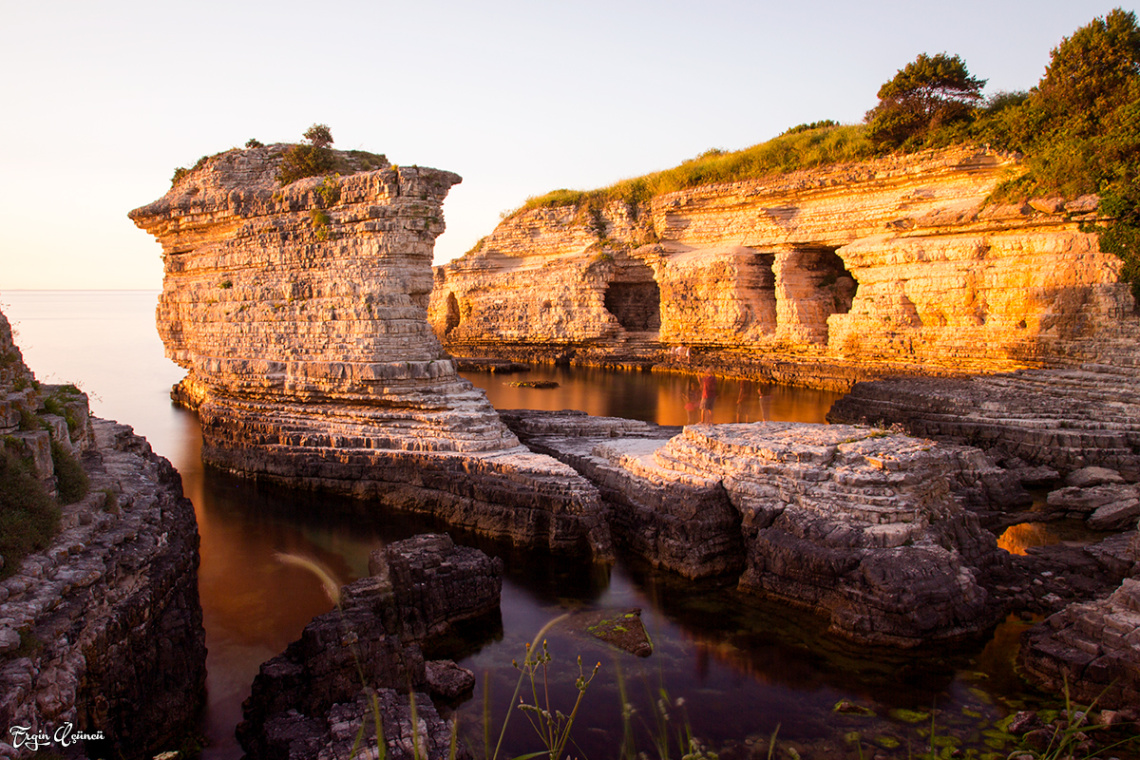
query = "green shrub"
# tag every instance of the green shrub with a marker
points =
(253, 142)
(28, 515)
(329, 191)
(71, 478)
(311, 160)
(320, 222)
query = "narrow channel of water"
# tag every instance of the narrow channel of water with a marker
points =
(726, 670)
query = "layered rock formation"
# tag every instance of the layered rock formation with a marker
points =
(1064, 419)
(33, 416)
(311, 702)
(1090, 649)
(101, 631)
(858, 524)
(843, 272)
(299, 313)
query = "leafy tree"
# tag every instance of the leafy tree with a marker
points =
(927, 94)
(1092, 74)
(319, 136)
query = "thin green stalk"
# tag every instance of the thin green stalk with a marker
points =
(518, 686)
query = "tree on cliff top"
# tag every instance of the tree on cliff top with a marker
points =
(925, 95)
(319, 135)
(1092, 74)
(1080, 131)
(311, 160)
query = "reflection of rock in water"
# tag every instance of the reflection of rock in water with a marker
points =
(1018, 538)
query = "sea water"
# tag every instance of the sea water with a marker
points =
(729, 671)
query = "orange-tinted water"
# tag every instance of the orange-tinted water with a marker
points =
(740, 670)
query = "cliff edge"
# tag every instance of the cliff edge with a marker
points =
(850, 271)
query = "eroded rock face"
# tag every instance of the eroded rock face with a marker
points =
(310, 701)
(896, 263)
(299, 313)
(102, 629)
(1093, 649)
(108, 625)
(862, 525)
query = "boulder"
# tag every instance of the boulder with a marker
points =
(312, 698)
(1092, 649)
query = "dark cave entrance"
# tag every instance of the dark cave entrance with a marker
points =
(634, 298)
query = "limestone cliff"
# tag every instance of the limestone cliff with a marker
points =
(300, 315)
(893, 263)
(100, 630)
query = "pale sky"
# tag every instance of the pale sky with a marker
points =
(102, 100)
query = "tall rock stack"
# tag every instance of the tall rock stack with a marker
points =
(299, 312)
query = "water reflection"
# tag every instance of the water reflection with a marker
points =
(665, 398)
(740, 668)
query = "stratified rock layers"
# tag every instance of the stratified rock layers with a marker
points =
(312, 700)
(101, 630)
(1066, 419)
(299, 312)
(859, 268)
(865, 527)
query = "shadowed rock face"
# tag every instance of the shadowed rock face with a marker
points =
(863, 526)
(1091, 649)
(864, 269)
(299, 313)
(101, 629)
(311, 700)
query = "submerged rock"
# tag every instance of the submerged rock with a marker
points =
(311, 700)
(622, 629)
(299, 315)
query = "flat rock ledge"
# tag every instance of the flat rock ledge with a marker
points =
(865, 526)
(310, 702)
(103, 629)
(1065, 419)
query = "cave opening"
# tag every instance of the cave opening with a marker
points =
(634, 298)
(812, 283)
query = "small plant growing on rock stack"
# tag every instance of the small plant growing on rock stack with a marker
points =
(309, 160)
(320, 223)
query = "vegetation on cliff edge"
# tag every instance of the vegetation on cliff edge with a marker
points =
(1078, 129)
(29, 517)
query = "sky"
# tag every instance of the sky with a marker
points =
(102, 100)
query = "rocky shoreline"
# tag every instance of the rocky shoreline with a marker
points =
(365, 660)
(102, 650)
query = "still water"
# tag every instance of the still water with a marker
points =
(732, 673)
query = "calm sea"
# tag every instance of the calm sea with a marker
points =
(726, 670)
